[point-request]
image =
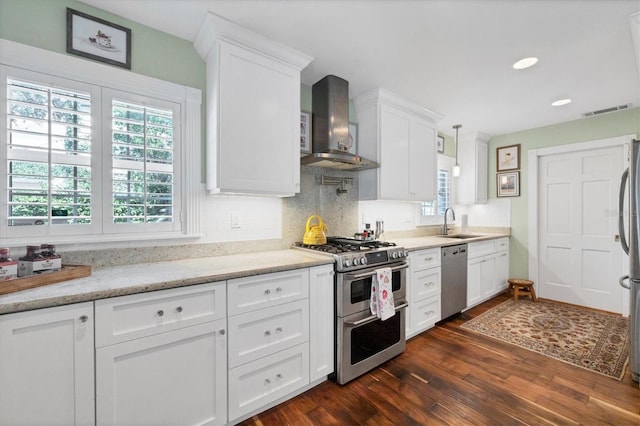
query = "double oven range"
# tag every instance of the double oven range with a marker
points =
(363, 341)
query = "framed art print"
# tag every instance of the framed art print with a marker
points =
(97, 39)
(508, 184)
(508, 158)
(305, 132)
(440, 143)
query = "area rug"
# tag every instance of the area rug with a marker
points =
(597, 341)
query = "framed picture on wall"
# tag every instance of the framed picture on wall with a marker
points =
(508, 158)
(97, 39)
(508, 184)
(440, 143)
(305, 132)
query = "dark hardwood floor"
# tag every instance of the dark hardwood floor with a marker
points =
(450, 376)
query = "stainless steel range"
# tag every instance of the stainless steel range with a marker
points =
(362, 340)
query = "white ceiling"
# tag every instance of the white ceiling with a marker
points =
(453, 57)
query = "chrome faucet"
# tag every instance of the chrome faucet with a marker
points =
(445, 231)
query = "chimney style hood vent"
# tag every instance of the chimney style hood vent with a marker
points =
(330, 128)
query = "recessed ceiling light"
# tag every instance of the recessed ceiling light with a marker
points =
(525, 63)
(561, 102)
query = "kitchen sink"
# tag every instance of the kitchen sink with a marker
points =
(461, 236)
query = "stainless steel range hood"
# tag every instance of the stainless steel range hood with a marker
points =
(330, 126)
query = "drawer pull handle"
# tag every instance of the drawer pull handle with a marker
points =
(429, 284)
(279, 289)
(179, 309)
(279, 330)
(428, 258)
(222, 332)
(267, 381)
(279, 375)
(83, 318)
(267, 333)
(160, 313)
(267, 291)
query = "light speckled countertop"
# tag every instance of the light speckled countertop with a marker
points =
(129, 279)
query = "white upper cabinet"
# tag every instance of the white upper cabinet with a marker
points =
(253, 110)
(401, 136)
(473, 157)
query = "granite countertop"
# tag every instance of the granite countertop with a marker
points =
(138, 278)
(419, 243)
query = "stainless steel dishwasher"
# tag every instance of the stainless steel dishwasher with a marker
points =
(454, 280)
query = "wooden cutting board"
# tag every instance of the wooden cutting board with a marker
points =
(68, 272)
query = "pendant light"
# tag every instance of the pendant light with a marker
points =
(456, 168)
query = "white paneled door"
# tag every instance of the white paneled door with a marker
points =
(580, 260)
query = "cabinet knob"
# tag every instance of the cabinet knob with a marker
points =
(279, 330)
(222, 332)
(267, 291)
(267, 381)
(83, 318)
(279, 375)
(279, 289)
(267, 333)
(160, 313)
(179, 309)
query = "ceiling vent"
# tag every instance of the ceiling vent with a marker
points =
(606, 110)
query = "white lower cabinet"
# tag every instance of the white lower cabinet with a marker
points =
(177, 377)
(47, 367)
(423, 290)
(268, 339)
(169, 365)
(267, 379)
(487, 270)
(321, 322)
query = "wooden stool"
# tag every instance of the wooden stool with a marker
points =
(521, 288)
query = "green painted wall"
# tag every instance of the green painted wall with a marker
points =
(599, 127)
(42, 23)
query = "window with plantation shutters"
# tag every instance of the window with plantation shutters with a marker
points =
(143, 178)
(81, 161)
(48, 156)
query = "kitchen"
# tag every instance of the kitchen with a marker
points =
(264, 224)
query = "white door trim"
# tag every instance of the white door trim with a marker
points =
(532, 188)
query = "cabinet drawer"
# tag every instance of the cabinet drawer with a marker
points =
(124, 318)
(267, 331)
(258, 383)
(423, 259)
(481, 248)
(425, 314)
(502, 244)
(262, 291)
(425, 284)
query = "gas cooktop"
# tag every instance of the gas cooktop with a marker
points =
(351, 253)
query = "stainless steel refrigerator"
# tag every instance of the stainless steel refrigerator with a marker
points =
(630, 244)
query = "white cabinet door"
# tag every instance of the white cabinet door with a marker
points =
(321, 322)
(394, 154)
(47, 367)
(473, 151)
(177, 377)
(502, 270)
(488, 276)
(253, 110)
(474, 281)
(422, 161)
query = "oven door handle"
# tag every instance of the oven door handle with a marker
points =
(372, 273)
(372, 318)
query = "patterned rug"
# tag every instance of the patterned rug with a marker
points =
(593, 340)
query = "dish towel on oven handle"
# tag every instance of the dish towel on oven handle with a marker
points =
(382, 304)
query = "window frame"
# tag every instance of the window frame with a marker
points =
(443, 162)
(18, 59)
